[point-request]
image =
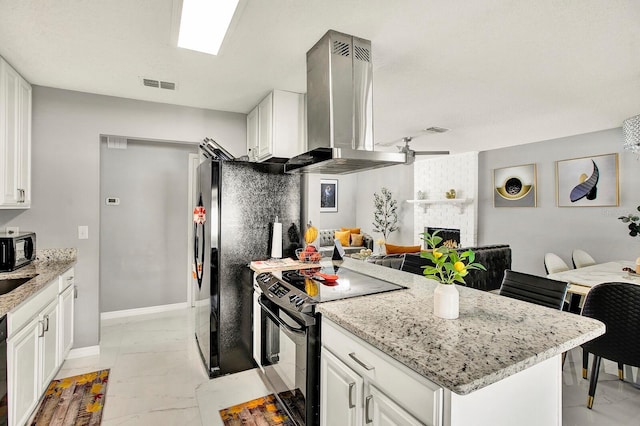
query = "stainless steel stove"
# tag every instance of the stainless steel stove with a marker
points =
(287, 330)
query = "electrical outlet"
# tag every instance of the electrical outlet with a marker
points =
(83, 232)
(12, 230)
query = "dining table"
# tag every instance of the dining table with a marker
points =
(581, 280)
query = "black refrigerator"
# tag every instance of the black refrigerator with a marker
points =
(241, 201)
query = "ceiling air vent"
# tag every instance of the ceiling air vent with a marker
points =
(436, 129)
(150, 83)
(158, 84)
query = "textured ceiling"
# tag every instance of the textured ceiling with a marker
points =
(497, 72)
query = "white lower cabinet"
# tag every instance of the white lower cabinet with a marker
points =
(341, 389)
(48, 345)
(360, 385)
(40, 334)
(66, 314)
(22, 362)
(380, 410)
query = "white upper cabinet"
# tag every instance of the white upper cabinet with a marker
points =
(15, 139)
(277, 127)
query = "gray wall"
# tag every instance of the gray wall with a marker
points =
(399, 180)
(347, 207)
(66, 172)
(532, 232)
(143, 240)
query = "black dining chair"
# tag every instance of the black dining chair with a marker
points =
(618, 306)
(532, 288)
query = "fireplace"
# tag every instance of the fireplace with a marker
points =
(445, 233)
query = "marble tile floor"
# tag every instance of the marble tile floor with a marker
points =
(157, 378)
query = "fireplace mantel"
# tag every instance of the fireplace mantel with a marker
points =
(461, 203)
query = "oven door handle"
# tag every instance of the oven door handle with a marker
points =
(277, 319)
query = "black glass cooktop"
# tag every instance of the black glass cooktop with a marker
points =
(348, 283)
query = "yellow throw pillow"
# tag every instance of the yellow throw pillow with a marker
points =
(357, 240)
(352, 230)
(343, 236)
(393, 249)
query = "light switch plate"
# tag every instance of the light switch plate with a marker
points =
(83, 232)
(12, 230)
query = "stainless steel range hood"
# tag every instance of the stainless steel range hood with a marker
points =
(340, 110)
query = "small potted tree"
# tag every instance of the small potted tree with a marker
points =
(385, 218)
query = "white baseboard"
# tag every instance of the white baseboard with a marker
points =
(82, 352)
(143, 311)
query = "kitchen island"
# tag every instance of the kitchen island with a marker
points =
(498, 363)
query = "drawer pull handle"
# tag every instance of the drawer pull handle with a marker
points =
(367, 404)
(46, 319)
(351, 388)
(362, 363)
(70, 278)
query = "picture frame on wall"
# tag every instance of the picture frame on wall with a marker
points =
(328, 195)
(515, 186)
(588, 181)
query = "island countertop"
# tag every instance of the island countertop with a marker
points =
(50, 264)
(494, 337)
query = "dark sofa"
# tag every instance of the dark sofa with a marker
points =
(496, 258)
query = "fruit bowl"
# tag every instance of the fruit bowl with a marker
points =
(308, 256)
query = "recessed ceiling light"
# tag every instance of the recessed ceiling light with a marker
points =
(204, 23)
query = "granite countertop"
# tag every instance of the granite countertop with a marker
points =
(49, 264)
(494, 337)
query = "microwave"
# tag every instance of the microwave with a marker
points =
(16, 250)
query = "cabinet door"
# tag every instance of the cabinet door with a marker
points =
(9, 158)
(49, 345)
(265, 128)
(380, 410)
(22, 369)
(65, 323)
(252, 135)
(340, 392)
(23, 144)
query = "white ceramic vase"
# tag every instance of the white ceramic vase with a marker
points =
(446, 301)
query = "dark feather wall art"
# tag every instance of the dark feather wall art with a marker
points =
(588, 181)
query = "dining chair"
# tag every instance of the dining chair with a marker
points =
(617, 305)
(534, 289)
(553, 263)
(581, 258)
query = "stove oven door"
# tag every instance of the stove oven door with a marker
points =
(290, 361)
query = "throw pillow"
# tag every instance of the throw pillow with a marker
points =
(357, 240)
(352, 230)
(393, 249)
(343, 236)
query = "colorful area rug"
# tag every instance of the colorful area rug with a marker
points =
(76, 400)
(265, 411)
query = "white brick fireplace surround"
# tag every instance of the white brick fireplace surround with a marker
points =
(434, 177)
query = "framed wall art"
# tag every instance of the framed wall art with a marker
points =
(328, 195)
(515, 186)
(587, 181)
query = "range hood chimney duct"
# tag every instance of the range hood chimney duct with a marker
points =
(340, 109)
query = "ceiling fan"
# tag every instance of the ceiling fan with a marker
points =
(411, 154)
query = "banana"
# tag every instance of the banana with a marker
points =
(310, 234)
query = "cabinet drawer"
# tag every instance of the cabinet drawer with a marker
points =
(23, 313)
(421, 398)
(65, 280)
